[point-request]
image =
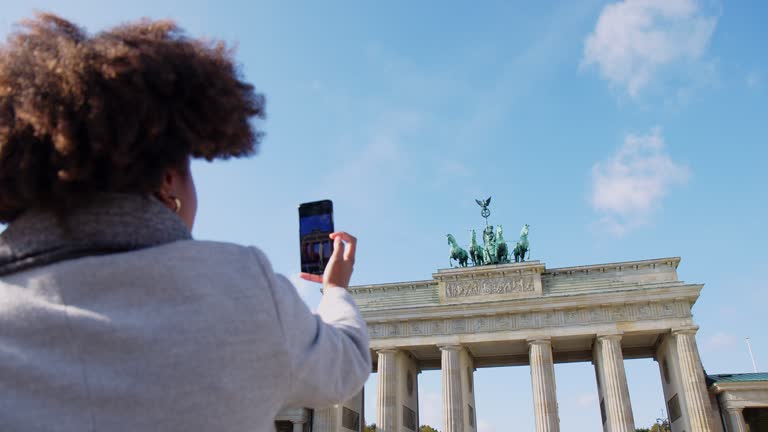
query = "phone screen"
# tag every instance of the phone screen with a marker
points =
(315, 224)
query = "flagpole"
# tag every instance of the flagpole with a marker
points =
(751, 355)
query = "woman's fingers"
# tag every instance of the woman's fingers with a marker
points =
(311, 277)
(338, 249)
(351, 241)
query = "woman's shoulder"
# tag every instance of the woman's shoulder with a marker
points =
(197, 264)
(215, 251)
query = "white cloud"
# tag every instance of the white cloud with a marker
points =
(719, 341)
(484, 426)
(630, 185)
(370, 173)
(753, 79)
(634, 39)
(431, 409)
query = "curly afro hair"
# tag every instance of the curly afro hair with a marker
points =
(82, 114)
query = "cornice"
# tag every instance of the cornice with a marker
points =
(620, 266)
(528, 266)
(739, 386)
(688, 293)
(399, 286)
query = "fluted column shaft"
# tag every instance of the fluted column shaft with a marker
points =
(386, 403)
(298, 427)
(736, 421)
(325, 419)
(543, 385)
(618, 408)
(692, 378)
(453, 403)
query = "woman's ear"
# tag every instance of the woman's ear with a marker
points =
(166, 191)
(177, 192)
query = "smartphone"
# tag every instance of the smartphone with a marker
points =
(315, 224)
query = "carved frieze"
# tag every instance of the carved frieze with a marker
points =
(492, 282)
(494, 286)
(534, 319)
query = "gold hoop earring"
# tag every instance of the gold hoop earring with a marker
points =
(177, 205)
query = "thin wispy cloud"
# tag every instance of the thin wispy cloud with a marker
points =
(719, 340)
(630, 185)
(635, 40)
(753, 79)
(587, 400)
(374, 170)
(484, 426)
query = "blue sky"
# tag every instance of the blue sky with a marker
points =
(618, 130)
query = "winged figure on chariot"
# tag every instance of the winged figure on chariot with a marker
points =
(494, 249)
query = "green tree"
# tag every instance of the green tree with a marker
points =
(426, 428)
(656, 427)
(370, 428)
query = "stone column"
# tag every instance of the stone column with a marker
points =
(615, 392)
(386, 404)
(468, 367)
(298, 427)
(453, 404)
(325, 419)
(543, 383)
(696, 400)
(736, 421)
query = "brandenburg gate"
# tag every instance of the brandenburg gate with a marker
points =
(526, 314)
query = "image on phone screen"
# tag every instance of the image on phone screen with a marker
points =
(315, 224)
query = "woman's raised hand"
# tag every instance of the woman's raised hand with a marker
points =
(339, 269)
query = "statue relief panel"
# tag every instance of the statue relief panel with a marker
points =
(394, 329)
(527, 320)
(481, 325)
(525, 284)
(618, 313)
(666, 309)
(573, 317)
(504, 322)
(374, 330)
(417, 328)
(644, 311)
(550, 319)
(596, 314)
(459, 325)
(438, 327)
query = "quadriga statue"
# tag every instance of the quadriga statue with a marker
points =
(522, 246)
(457, 253)
(475, 250)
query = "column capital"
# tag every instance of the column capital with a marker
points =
(610, 336)
(542, 340)
(734, 410)
(685, 330)
(386, 350)
(450, 347)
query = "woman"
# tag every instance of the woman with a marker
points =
(111, 317)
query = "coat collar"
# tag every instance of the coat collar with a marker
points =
(109, 223)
